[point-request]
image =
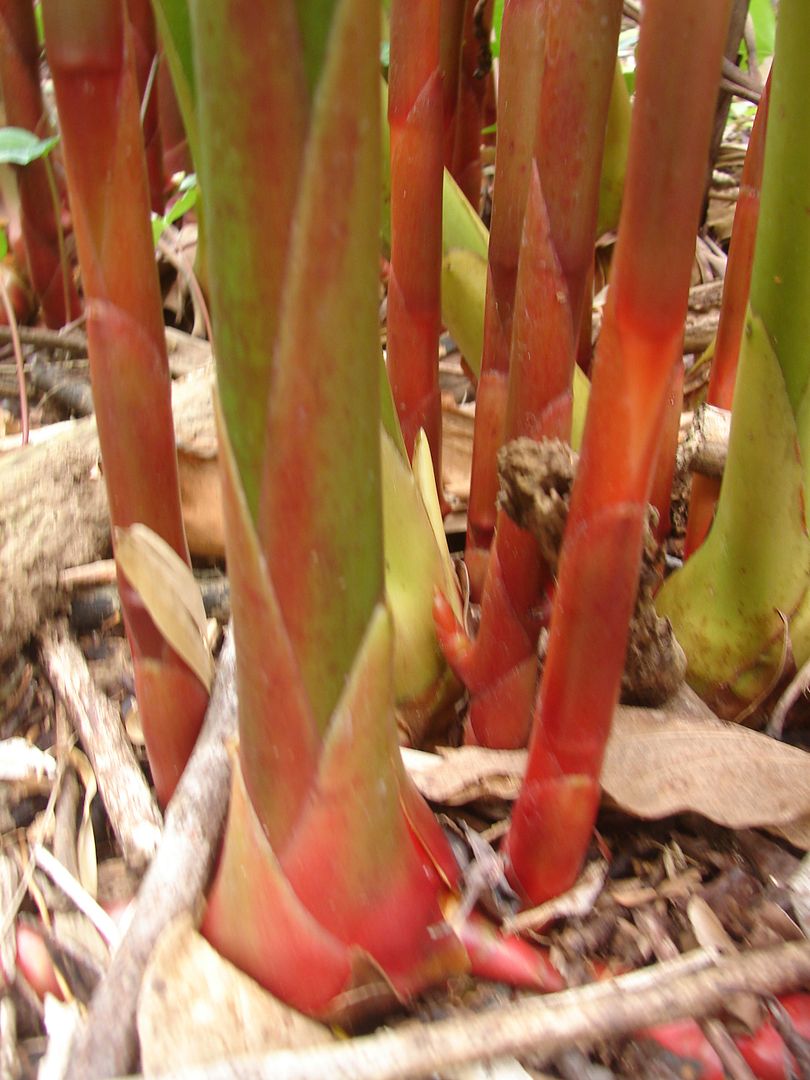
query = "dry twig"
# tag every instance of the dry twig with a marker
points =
(131, 807)
(174, 883)
(541, 1026)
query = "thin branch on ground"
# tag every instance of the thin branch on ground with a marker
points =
(107, 1044)
(131, 807)
(691, 986)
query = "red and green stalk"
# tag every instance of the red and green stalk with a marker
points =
(737, 284)
(739, 606)
(522, 48)
(144, 39)
(39, 198)
(679, 60)
(328, 845)
(500, 666)
(90, 55)
(415, 117)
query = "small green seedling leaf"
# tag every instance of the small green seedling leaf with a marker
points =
(764, 20)
(170, 594)
(189, 192)
(21, 147)
(3, 243)
(497, 19)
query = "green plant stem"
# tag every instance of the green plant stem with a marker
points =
(736, 286)
(739, 606)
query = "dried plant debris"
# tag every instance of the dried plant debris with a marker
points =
(657, 763)
(180, 1026)
(536, 480)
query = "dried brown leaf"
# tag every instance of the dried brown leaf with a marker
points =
(460, 776)
(169, 593)
(657, 763)
(196, 1007)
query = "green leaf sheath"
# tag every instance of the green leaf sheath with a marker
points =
(256, 107)
(321, 513)
(679, 59)
(174, 27)
(779, 284)
(736, 287)
(741, 600)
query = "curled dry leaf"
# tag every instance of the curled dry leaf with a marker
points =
(460, 776)
(657, 764)
(169, 593)
(195, 1007)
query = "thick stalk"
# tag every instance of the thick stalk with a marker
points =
(328, 845)
(678, 70)
(90, 56)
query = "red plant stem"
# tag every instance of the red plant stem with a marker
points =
(764, 1051)
(466, 157)
(577, 77)
(737, 285)
(501, 667)
(522, 47)
(98, 103)
(450, 31)
(679, 59)
(577, 84)
(22, 98)
(145, 50)
(414, 304)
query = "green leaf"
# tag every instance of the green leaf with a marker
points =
(3, 243)
(169, 593)
(497, 19)
(764, 20)
(188, 199)
(39, 24)
(21, 147)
